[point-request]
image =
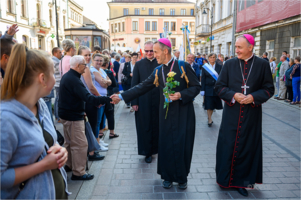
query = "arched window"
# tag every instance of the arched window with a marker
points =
(118, 45)
(123, 45)
(24, 39)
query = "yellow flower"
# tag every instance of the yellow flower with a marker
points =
(171, 74)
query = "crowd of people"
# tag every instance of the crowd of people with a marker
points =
(86, 84)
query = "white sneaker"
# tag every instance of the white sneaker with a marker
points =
(102, 143)
(102, 149)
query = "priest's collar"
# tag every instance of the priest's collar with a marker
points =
(169, 61)
(246, 60)
(151, 59)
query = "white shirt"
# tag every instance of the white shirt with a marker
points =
(132, 67)
(169, 61)
(246, 60)
(212, 66)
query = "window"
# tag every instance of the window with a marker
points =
(147, 39)
(219, 48)
(166, 25)
(64, 21)
(23, 11)
(154, 39)
(241, 5)
(115, 28)
(192, 29)
(137, 11)
(173, 26)
(135, 26)
(118, 27)
(296, 47)
(192, 12)
(10, 6)
(154, 26)
(123, 26)
(173, 42)
(212, 49)
(185, 23)
(172, 11)
(50, 17)
(229, 48)
(151, 11)
(250, 3)
(38, 11)
(183, 11)
(147, 26)
(206, 50)
(230, 7)
(161, 11)
(270, 48)
(125, 11)
(112, 28)
(24, 39)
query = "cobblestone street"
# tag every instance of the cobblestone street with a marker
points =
(124, 175)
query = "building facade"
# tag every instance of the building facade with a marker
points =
(220, 16)
(278, 31)
(133, 22)
(76, 17)
(36, 20)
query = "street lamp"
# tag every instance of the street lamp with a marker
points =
(205, 13)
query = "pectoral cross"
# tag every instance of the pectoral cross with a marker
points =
(245, 88)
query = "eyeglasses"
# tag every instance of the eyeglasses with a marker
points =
(146, 51)
(98, 60)
(84, 64)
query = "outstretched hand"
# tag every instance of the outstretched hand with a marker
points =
(13, 30)
(115, 99)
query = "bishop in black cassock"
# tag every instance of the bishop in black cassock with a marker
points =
(146, 107)
(245, 83)
(177, 131)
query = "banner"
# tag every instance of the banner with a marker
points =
(254, 13)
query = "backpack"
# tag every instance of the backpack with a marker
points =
(182, 68)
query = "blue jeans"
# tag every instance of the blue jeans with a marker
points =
(49, 105)
(99, 118)
(296, 88)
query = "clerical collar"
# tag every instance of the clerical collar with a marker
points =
(169, 61)
(246, 60)
(151, 59)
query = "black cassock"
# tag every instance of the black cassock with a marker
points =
(147, 116)
(176, 133)
(239, 146)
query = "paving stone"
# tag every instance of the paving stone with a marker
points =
(124, 196)
(189, 189)
(142, 189)
(151, 182)
(197, 196)
(174, 196)
(200, 175)
(263, 194)
(236, 195)
(219, 195)
(287, 186)
(129, 182)
(207, 188)
(160, 189)
(124, 176)
(289, 180)
(284, 194)
(151, 196)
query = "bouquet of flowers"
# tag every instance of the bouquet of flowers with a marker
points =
(170, 84)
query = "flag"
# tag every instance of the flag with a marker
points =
(139, 50)
(208, 39)
(181, 57)
(187, 41)
(164, 32)
(161, 35)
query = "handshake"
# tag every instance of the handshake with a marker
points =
(115, 99)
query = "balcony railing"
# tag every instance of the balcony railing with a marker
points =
(203, 30)
(40, 23)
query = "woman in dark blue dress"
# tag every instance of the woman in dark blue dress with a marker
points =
(210, 74)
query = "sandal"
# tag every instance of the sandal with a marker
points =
(113, 136)
(287, 101)
(293, 103)
(100, 135)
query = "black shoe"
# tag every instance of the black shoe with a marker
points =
(95, 157)
(182, 186)
(242, 191)
(67, 169)
(85, 177)
(148, 159)
(210, 124)
(167, 184)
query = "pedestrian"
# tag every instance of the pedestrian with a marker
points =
(56, 58)
(239, 145)
(70, 50)
(102, 82)
(295, 76)
(128, 74)
(273, 65)
(116, 65)
(277, 71)
(209, 78)
(177, 55)
(30, 155)
(288, 81)
(177, 131)
(122, 60)
(88, 79)
(146, 107)
(284, 53)
(120, 75)
(6, 47)
(284, 66)
(109, 109)
(265, 56)
(195, 66)
(73, 96)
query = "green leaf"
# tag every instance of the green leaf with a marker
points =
(165, 106)
(165, 89)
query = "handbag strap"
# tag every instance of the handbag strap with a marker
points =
(61, 73)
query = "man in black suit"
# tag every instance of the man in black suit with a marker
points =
(128, 74)
(210, 74)
(195, 66)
